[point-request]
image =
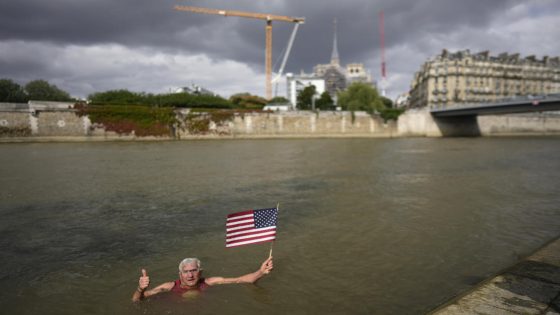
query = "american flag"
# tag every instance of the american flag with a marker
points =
(250, 227)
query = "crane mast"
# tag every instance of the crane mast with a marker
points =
(268, 31)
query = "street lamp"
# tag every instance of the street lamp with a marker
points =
(313, 98)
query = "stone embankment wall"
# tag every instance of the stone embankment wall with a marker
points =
(298, 124)
(40, 119)
(520, 124)
(58, 121)
(420, 123)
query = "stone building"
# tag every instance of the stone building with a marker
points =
(332, 73)
(356, 72)
(333, 76)
(461, 78)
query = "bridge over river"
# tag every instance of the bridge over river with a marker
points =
(524, 104)
(496, 118)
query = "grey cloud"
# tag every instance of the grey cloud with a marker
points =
(154, 23)
(424, 26)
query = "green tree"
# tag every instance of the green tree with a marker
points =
(391, 113)
(190, 100)
(11, 92)
(305, 97)
(325, 102)
(125, 97)
(117, 97)
(387, 102)
(247, 101)
(41, 90)
(360, 96)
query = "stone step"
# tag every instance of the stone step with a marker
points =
(532, 286)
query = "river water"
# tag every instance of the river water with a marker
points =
(366, 226)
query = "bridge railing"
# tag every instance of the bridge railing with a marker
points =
(520, 99)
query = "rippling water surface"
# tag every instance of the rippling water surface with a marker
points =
(366, 226)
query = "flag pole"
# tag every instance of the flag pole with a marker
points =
(271, 243)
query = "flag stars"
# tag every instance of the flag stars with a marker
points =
(265, 217)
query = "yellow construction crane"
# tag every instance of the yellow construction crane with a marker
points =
(267, 17)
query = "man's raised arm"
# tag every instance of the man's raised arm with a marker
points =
(265, 268)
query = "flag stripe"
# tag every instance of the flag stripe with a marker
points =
(241, 220)
(256, 238)
(245, 220)
(240, 213)
(239, 217)
(243, 237)
(260, 240)
(251, 226)
(251, 232)
(234, 224)
(248, 232)
(239, 232)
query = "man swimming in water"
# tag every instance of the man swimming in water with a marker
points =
(190, 279)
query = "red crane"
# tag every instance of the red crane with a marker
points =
(382, 37)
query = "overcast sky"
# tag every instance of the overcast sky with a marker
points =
(86, 46)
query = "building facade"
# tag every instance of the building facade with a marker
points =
(462, 78)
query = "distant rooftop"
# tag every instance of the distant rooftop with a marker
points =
(503, 57)
(194, 89)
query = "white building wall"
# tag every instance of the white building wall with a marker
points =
(297, 83)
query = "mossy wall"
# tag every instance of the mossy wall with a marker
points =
(14, 124)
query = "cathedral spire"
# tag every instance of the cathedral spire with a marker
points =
(334, 57)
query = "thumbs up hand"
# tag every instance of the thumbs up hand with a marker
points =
(144, 280)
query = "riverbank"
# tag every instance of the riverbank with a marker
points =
(532, 286)
(64, 123)
(127, 138)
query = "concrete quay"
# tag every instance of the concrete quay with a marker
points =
(54, 121)
(532, 286)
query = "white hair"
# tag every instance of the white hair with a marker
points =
(189, 261)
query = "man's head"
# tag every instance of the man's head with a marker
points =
(189, 272)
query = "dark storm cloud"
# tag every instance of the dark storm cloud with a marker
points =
(154, 23)
(405, 21)
(421, 28)
(127, 22)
